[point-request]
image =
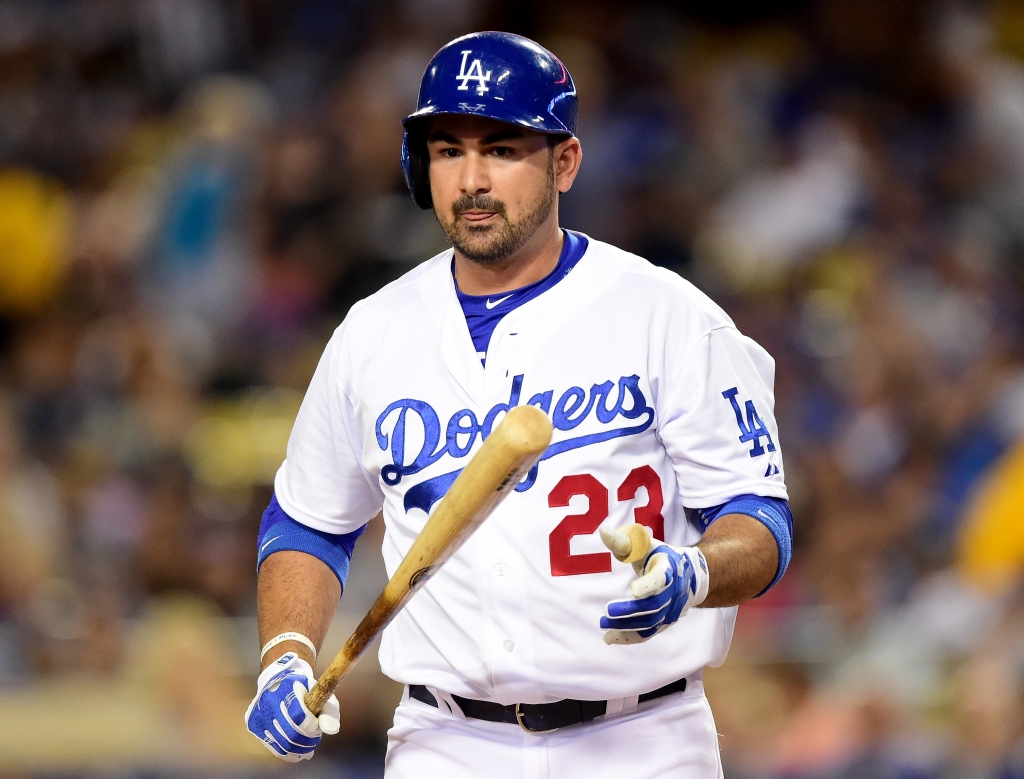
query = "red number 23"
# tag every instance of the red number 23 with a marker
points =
(563, 562)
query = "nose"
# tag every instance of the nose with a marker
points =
(475, 177)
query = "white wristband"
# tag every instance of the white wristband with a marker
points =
(287, 637)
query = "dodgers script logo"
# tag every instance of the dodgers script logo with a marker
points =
(572, 408)
(475, 73)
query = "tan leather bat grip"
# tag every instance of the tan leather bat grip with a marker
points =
(509, 452)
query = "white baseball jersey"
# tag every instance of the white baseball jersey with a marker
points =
(658, 402)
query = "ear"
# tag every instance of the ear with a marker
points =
(566, 157)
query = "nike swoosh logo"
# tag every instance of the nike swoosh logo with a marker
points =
(763, 514)
(497, 302)
(268, 543)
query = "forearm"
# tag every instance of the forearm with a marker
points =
(742, 558)
(296, 592)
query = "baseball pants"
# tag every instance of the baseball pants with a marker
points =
(672, 736)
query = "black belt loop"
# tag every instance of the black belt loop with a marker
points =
(538, 718)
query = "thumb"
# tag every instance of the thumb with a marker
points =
(305, 721)
(330, 718)
(629, 544)
(618, 542)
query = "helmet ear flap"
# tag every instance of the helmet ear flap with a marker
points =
(416, 167)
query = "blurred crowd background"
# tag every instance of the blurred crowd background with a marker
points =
(193, 192)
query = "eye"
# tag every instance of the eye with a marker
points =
(502, 151)
(445, 152)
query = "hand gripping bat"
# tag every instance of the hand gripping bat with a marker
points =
(509, 452)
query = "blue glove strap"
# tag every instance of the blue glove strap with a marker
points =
(773, 513)
(627, 608)
(279, 533)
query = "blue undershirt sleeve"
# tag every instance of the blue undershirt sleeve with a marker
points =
(280, 533)
(773, 513)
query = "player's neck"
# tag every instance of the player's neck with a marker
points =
(533, 262)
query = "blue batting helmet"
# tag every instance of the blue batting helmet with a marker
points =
(497, 75)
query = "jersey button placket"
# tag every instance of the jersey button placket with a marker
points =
(513, 659)
(501, 353)
(500, 570)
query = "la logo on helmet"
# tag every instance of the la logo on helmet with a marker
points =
(475, 73)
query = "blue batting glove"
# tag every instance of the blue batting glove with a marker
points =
(671, 581)
(278, 717)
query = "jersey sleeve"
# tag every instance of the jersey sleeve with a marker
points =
(322, 482)
(717, 420)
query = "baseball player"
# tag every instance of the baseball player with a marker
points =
(533, 652)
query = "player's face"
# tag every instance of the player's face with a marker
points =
(493, 184)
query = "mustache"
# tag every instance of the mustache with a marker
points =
(481, 202)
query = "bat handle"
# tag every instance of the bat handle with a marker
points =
(316, 698)
(376, 619)
(325, 686)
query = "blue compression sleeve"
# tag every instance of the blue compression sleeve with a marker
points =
(279, 533)
(773, 513)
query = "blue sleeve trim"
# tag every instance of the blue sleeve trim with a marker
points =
(280, 533)
(773, 513)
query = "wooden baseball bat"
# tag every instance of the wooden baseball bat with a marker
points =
(509, 452)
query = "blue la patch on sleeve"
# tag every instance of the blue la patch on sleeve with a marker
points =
(752, 429)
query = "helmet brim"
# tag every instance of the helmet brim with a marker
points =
(538, 124)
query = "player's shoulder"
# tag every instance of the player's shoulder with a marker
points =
(656, 286)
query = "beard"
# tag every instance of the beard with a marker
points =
(487, 244)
